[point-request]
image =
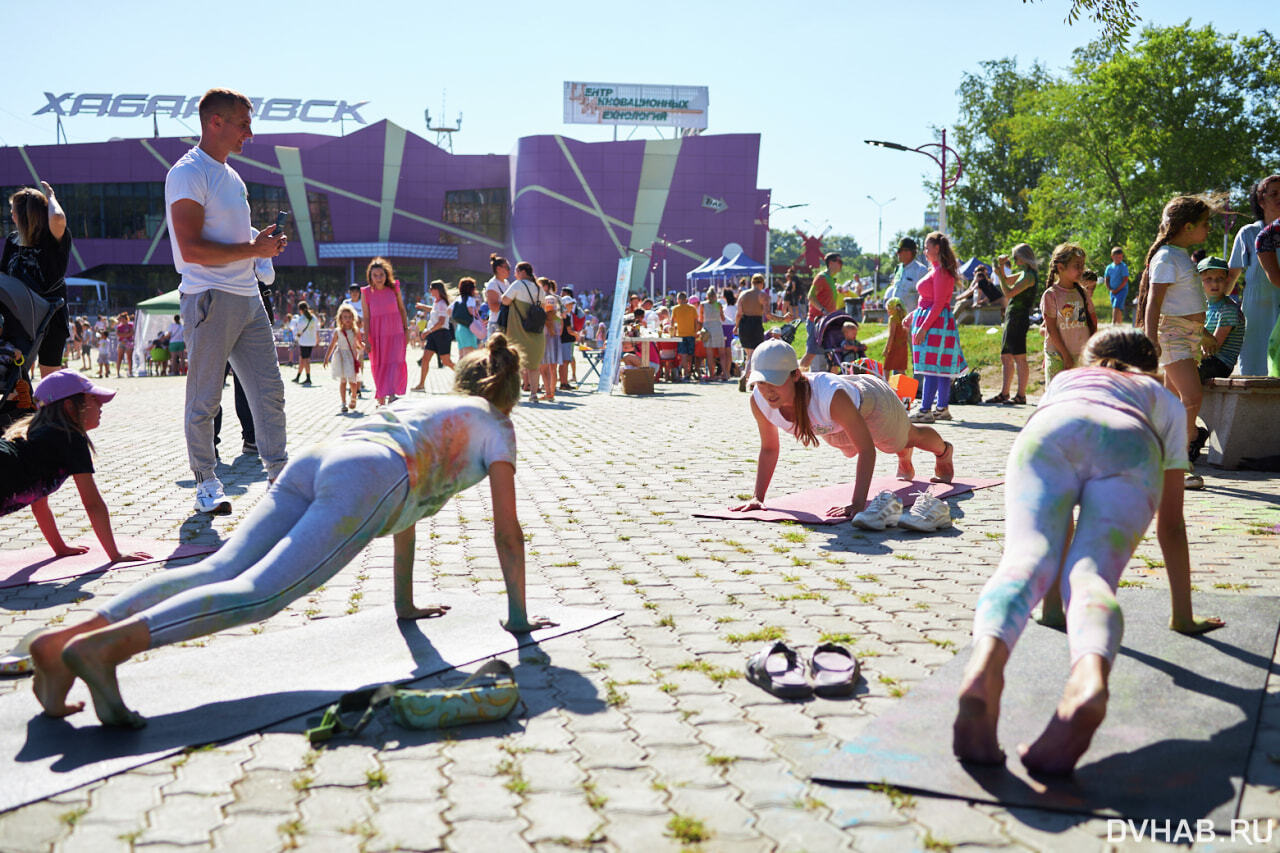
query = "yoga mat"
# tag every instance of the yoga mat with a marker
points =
(194, 696)
(17, 569)
(810, 507)
(1180, 721)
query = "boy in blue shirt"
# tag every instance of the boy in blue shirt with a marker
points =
(1117, 278)
(1223, 322)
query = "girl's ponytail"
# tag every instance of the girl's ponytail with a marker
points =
(804, 426)
(492, 372)
(1178, 214)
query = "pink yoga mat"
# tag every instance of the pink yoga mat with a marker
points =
(810, 507)
(18, 569)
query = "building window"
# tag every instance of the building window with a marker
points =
(119, 211)
(266, 201)
(482, 212)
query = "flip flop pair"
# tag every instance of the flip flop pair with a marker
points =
(777, 669)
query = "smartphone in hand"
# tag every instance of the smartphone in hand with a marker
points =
(281, 218)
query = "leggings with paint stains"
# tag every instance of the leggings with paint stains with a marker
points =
(328, 504)
(1106, 462)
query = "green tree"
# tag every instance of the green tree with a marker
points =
(990, 206)
(1117, 17)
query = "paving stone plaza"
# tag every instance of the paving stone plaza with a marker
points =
(638, 734)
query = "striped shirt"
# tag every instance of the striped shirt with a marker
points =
(1225, 312)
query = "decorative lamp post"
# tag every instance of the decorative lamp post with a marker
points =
(946, 182)
(765, 210)
(880, 206)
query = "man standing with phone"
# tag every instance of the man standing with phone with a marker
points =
(214, 250)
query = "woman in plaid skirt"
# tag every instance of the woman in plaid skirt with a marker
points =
(935, 341)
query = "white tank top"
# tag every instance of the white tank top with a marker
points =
(825, 386)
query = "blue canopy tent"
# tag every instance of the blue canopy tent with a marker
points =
(703, 270)
(970, 266)
(724, 269)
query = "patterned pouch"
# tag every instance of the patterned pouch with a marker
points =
(488, 695)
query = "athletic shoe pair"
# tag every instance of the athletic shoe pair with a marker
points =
(926, 515)
(928, 417)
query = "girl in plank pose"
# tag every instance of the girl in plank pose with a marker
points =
(378, 479)
(1109, 438)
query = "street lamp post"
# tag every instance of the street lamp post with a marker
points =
(880, 206)
(665, 243)
(765, 209)
(946, 182)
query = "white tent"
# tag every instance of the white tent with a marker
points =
(153, 317)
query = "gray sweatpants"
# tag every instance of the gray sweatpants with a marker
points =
(328, 504)
(224, 327)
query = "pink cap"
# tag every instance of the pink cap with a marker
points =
(67, 383)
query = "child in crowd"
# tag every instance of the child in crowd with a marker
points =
(1117, 278)
(1067, 310)
(344, 350)
(124, 343)
(1224, 324)
(329, 502)
(306, 330)
(106, 348)
(1171, 304)
(851, 349)
(570, 329)
(159, 352)
(1021, 293)
(39, 452)
(1109, 439)
(897, 348)
(551, 352)
(86, 343)
(1089, 281)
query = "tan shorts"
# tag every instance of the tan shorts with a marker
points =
(1179, 338)
(884, 413)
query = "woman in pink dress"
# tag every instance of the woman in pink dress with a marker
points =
(387, 327)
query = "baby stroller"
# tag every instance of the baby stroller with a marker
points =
(830, 334)
(24, 319)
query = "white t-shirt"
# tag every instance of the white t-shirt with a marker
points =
(1139, 396)
(447, 446)
(219, 190)
(357, 307)
(1172, 265)
(263, 268)
(306, 330)
(439, 314)
(495, 286)
(523, 290)
(730, 312)
(175, 333)
(825, 386)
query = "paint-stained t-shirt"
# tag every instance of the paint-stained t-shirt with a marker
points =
(447, 445)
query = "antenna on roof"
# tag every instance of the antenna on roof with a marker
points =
(444, 135)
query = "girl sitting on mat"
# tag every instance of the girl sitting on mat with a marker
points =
(857, 414)
(1107, 437)
(39, 452)
(329, 502)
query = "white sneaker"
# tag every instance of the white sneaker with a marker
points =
(211, 499)
(883, 511)
(926, 515)
(921, 417)
(942, 415)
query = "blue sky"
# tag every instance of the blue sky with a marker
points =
(814, 79)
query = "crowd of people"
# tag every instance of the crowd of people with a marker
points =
(1114, 435)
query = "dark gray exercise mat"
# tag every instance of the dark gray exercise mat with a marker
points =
(1175, 744)
(234, 686)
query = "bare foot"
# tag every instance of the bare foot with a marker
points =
(973, 735)
(906, 470)
(53, 679)
(943, 470)
(1069, 732)
(88, 658)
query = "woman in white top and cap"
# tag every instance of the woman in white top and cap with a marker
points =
(858, 415)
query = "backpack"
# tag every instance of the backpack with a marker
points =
(965, 389)
(535, 316)
(460, 315)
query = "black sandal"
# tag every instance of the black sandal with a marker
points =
(1020, 400)
(999, 398)
(777, 670)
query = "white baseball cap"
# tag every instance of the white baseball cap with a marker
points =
(773, 361)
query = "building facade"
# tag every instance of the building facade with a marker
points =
(571, 208)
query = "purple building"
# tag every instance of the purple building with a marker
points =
(571, 208)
